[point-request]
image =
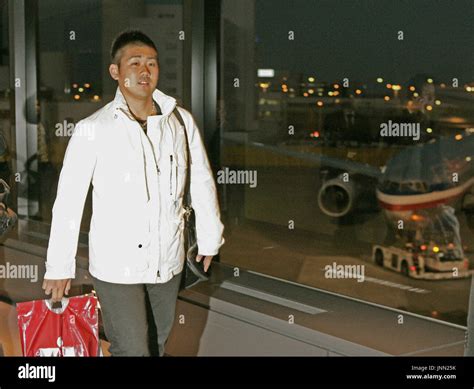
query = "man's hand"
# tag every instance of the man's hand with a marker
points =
(59, 288)
(207, 260)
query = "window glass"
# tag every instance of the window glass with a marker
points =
(344, 126)
(6, 100)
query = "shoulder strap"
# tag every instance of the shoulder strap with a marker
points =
(187, 184)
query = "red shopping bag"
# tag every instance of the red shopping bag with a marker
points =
(72, 330)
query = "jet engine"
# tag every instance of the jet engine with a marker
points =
(337, 197)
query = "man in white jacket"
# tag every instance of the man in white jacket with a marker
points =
(134, 152)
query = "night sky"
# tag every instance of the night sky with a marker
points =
(358, 39)
(334, 38)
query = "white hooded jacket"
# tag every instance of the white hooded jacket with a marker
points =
(137, 225)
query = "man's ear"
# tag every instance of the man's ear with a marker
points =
(114, 72)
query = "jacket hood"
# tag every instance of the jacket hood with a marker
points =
(166, 103)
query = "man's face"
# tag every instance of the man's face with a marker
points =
(138, 72)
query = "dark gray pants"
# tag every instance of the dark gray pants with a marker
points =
(124, 314)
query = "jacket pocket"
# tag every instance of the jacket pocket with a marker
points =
(181, 173)
(181, 145)
(178, 172)
(175, 250)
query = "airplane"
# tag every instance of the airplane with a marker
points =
(418, 177)
(426, 176)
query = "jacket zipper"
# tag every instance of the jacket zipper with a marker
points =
(160, 261)
(159, 218)
(176, 184)
(159, 200)
(171, 174)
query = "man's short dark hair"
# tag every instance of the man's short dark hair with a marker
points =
(126, 37)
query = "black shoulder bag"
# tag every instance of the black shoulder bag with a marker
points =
(193, 271)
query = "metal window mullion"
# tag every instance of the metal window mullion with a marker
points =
(23, 82)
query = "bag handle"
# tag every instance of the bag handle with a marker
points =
(57, 307)
(187, 184)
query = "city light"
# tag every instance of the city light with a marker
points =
(429, 80)
(435, 249)
(429, 130)
(380, 80)
(389, 86)
(358, 91)
(320, 103)
(311, 79)
(412, 88)
(305, 94)
(429, 108)
(468, 159)
(77, 97)
(437, 102)
(81, 89)
(330, 93)
(415, 94)
(87, 85)
(336, 86)
(386, 98)
(96, 97)
(396, 87)
(458, 137)
(310, 91)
